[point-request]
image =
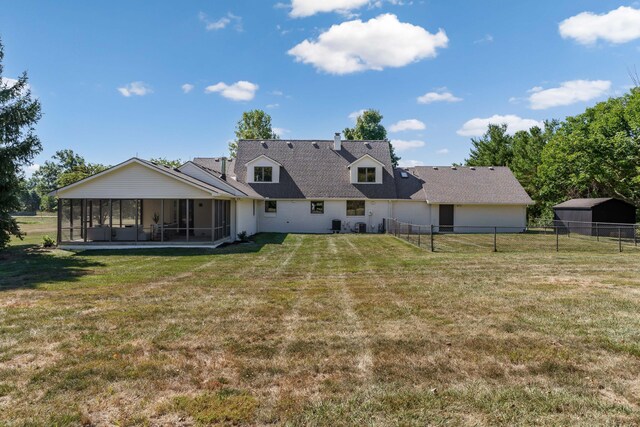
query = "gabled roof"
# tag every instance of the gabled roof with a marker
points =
(313, 169)
(159, 168)
(583, 203)
(462, 185)
(229, 179)
(366, 156)
(262, 156)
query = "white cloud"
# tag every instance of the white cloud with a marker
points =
(568, 93)
(273, 105)
(187, 87)
(409, 163)
(486, 39)
(277, 93)
(354, 115)
(410, 124)
(621, 25)
(373, 45)
(280, 131)
(443, 151)
(477, 127)
(304, 8)
(135, 88)
(402, 145)
(238, 91)
(442, 96)
(9, 82)
(31, 169)
(221, 23)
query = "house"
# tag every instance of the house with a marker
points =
(287, 186)
(596, 216)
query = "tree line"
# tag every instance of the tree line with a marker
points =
(593, 154)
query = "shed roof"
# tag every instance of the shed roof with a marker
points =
(586, 203)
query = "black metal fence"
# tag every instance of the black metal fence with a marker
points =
(546, 237)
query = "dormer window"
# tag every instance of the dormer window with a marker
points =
(366, 175)
(366, 170)
(262, 174)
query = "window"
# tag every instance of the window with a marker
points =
(262, 174)
(317, 207)
(366, 174)
(271, 206)
(355, 207)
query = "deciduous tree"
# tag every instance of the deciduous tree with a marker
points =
(254, 124)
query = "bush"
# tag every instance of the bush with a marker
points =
(48, 242)
(243, 236)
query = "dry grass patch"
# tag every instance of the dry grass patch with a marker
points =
(320, 330)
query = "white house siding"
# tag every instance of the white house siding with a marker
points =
(263, 161)
(418, 213)
(512, 217)
(247, 221)
(294, 216)
(365, 162)
(133, 181)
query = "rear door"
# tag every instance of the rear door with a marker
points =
(446, 218)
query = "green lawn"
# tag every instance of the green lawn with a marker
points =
(320, 330)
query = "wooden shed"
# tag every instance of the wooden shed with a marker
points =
(595, 216)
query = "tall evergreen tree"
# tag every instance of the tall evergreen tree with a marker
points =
(19, 113)
(254, 124)
(494, 148)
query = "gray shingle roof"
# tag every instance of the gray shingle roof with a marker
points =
(312, 169)
(463, 185)
(213, 165)
(582, 203)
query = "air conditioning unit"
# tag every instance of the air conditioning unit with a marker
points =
(361, 227)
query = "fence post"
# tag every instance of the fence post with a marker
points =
(635, 236)
(432, 248)
(408, 231)
(419, 233)
(568, 229)
(597, 233)
(495, 239)
(557, 240)
(620, 238)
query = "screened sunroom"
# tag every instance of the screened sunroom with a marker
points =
(143, 220)
(138, 202)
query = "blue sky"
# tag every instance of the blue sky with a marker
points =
(111, 75)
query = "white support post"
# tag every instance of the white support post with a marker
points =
(187, 219)
(213, 220)
(110, 220)
(162, 220)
